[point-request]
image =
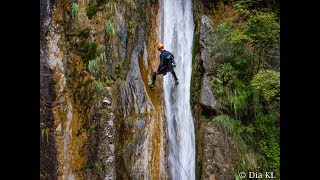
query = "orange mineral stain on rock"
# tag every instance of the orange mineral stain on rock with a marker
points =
(157, 129)
(69, 116)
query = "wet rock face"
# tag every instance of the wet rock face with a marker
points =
(205, 39)
(48, 151)
(133, 93)
(93, 138)
(219, 153)
(209, 62)
(45, 17)
(207, 98)
(103, 141)
(135, 107)
(215, 153)
(123, 41)
(273, 63)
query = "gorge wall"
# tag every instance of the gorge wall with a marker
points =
(98, 117)
(119, 132)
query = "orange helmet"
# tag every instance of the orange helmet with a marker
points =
(160, 46)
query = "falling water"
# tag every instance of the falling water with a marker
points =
(176, 28)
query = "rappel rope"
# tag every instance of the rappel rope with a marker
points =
(179, 162)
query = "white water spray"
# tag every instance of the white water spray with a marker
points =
(176, 28)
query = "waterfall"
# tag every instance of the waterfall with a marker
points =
(176, 33)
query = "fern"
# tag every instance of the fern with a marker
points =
(92, 9)
(99, 86)
(102, 48)
(74, 10)
(226, 122)
(111, 7)
(94, 66)
(239, 101)
(103, 55)
(109, 28)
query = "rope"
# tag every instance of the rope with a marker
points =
(147, 123)
(179, 162)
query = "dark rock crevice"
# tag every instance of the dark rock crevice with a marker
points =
(48, 151)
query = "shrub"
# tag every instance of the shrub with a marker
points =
(224, 70)
(268, 83)
(87, 50)
(92, 9)
(267, 136)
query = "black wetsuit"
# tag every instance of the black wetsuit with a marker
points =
(164, 67)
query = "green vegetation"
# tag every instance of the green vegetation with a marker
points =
(92, 9)
(87, 50)
(111, 7)
(98, 69)
(198, 169)
(268, 82)
(84, 33)
(99, 167)
(74, 10)
(246, 87)
(153, 2)
(109, 28)
(225, 77)
(94, 66)
(45, 130)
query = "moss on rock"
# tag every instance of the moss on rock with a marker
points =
(92, 9)
(87, 50)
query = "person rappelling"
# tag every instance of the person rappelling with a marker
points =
(167, 64)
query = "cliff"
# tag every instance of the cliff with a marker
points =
(112, 131)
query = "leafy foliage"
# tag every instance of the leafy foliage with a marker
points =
(224, 71)
(268, 141)
(98, 69)
(247, 91)
(233, 48)
(268, 82)
(246, 4)
(263, 27)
